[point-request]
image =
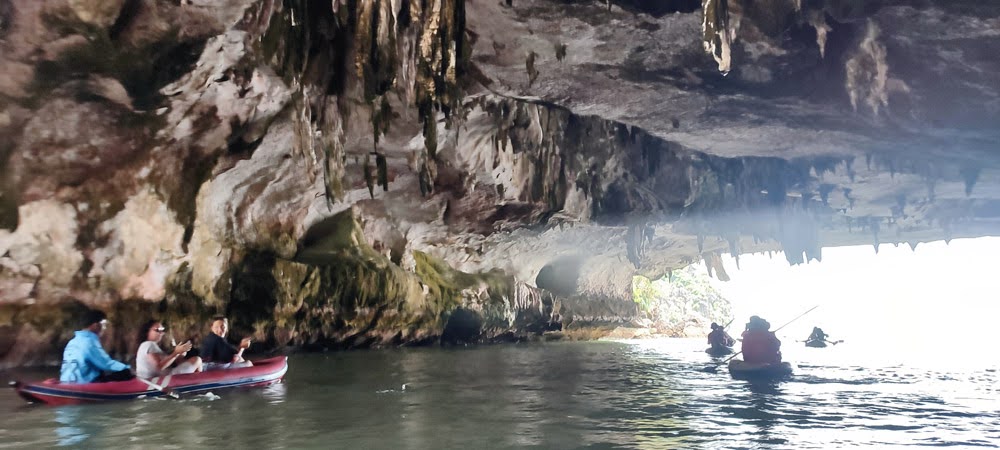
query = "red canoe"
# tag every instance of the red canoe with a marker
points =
(52, 392)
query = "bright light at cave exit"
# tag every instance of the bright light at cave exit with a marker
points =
(937, 304)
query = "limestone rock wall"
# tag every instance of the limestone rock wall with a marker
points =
(339, 174)
(184, 159)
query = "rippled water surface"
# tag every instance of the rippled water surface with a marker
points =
(642, 394)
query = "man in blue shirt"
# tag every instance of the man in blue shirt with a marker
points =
(85, 361)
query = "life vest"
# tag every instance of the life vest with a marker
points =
(761, 347)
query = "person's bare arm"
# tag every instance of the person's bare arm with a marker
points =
(163, 360)
(244, 344)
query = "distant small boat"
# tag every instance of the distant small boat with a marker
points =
(816, 344)
(52, 392)
(743, 370)
(719, 351)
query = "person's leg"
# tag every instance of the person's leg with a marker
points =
(213, 366)
(121, 375)
(191, 365)
(218, 366)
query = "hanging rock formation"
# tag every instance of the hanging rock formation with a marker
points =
(338, 174)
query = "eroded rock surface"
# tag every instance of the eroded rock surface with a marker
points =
(335, 174)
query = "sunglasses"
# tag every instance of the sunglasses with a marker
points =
(161, 329)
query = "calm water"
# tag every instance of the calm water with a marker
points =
(643, 394)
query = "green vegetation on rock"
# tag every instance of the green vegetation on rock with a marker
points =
(685, 298)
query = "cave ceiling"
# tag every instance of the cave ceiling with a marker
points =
(825, 124)
(883, 118)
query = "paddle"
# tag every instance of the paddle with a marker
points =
(824, 340)
(727, 334)
(716, 366)
(166, 390)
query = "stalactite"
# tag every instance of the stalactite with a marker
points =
(818, 20)
(849, 165)
(874, 225)
(529, 64)
(369, 179)
(303, 122)
(424, 179)
(824, 193)
(867, 72)
(560, 51)
(900, 210)
(335, 157)
(383, 171)
(636, 238)
(713, 262)
(720, 23)
(970, 175)
(847, 196)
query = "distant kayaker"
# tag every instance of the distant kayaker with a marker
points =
(719, 339)
(219, 354)
(84, 359)
(818, 339)
(760, 346)
(151, 361)
(817, 335)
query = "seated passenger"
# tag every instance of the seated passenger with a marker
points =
(84, 359)
(219, 354)
(760, 346)
(719, 339)
(151, 361)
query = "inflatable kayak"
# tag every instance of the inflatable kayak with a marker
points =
(743, 370)
(52, 392)
(719, 351)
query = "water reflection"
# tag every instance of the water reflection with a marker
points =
(275, 393)
(414, 423)
(70, 431)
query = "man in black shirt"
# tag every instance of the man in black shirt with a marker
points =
(219, 354)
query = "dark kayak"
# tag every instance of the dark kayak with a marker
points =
(719, 351)
(742, 370)
(816, 344)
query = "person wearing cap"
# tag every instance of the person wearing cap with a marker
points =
(719, 339)
(84, 359)
(760, 345)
